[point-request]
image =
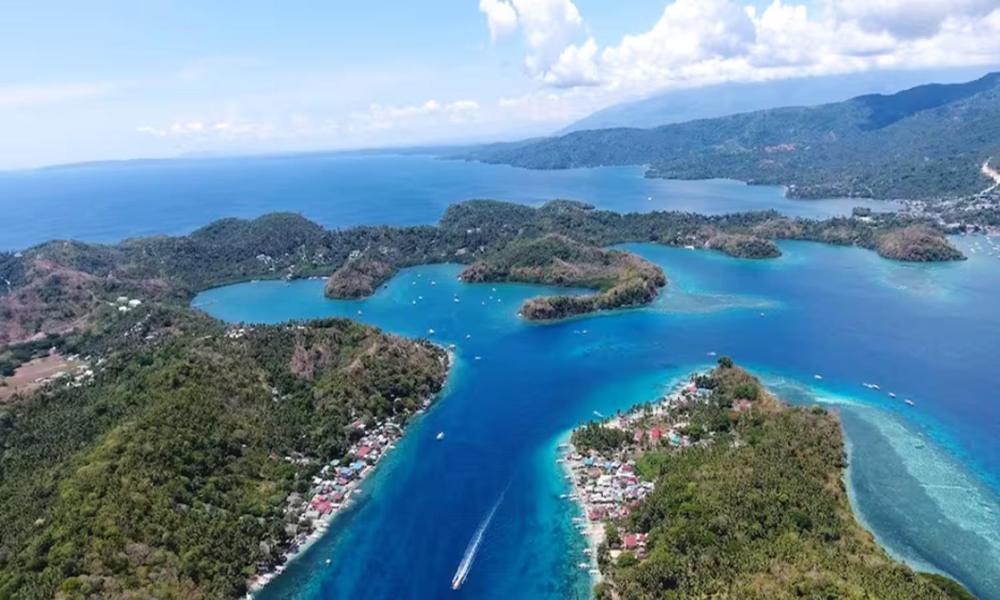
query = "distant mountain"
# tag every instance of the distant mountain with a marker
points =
(678, 106)
(923, 143)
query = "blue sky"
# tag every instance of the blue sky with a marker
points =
(116, 79)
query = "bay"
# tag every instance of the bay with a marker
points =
(922, 478)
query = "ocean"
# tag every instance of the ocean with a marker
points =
(925, 478)
(113, 201)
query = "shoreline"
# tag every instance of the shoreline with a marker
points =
(615, 478)
(593, 532)
(377, 443)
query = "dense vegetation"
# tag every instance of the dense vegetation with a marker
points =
(924, 143)
(757, 509)
(164, 475)
(622, 279)
(168, 474)
(59, 286)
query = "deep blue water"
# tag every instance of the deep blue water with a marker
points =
(923, 478)
(109, 202)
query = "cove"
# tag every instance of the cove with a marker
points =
(924, 479)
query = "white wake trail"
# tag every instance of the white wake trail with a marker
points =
(473, 548)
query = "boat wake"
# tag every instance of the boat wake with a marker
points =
(473, 548)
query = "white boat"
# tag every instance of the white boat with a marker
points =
(817, 377)
(892, 394)
(440, 435)
(910, 402)
(430, 332)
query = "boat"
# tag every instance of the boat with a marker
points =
(328, 561)
(910, 402)
(892, 394)
(584, 565)
(689, 247)
(440, 435)
(817, 377)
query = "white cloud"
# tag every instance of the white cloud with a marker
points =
(27, 95)
(205, 129)
(547, 26)
(500, 17)
(907, 19)
(697, 42)
(379, 116)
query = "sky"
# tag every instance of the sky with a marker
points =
(117, 79)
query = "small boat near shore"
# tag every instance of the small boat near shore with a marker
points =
(439, 436)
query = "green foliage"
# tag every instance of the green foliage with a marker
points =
(169, 471)
(761, 512)
(926, 143)
(594, 436)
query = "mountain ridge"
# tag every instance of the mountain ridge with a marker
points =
(927, 142)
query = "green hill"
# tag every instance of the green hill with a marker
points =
(927, 142)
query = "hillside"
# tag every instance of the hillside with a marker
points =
(621, 279)
(709, 102)
(169, 467)
(745, 499)
(58, 287)
(927, 142)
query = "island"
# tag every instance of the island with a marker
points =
(622, 278)
(721, 490)
(148, 448)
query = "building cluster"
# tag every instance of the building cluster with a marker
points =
(607, 486)
(333, 488)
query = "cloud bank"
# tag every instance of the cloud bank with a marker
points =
(698, 42)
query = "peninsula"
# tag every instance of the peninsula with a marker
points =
(236, 443)
(721, 490)
(57, 286)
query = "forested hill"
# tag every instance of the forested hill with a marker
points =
(927, 142)
(167, 464)
(61, 286)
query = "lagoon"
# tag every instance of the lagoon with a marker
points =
(924, 479)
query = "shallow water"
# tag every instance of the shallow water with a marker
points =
(923, 478)
(109, 202)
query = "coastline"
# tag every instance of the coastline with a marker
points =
(330, 505)
(580, 470)
(592, 531)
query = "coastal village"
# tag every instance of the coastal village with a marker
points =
(333, 488)
(606, 483)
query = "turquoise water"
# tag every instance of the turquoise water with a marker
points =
(923, 478)
(109, 202)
